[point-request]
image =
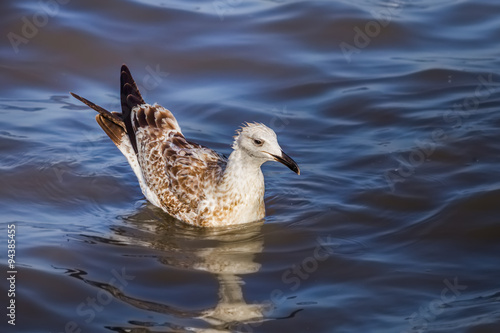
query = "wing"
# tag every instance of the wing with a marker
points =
(179, 172)
(176, 173)
(111, 122)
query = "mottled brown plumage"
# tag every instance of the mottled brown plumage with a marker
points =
(189, 181)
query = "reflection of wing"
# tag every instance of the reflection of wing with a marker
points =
(176, 170)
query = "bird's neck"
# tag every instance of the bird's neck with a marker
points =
(243, 172)
(243, 184)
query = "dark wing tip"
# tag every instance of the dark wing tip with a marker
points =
(113, 117)
(77, 97)
(130, 96)
(128, 87)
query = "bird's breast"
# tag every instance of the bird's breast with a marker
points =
(233, 205)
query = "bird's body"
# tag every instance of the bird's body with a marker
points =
(190, 182)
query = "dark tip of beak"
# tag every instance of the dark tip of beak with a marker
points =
(287, 160)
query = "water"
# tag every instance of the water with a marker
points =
(390, 108)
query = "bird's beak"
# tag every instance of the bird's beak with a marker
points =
(287, 160)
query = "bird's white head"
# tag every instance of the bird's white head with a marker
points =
(261, 143)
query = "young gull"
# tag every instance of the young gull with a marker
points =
(189, 181)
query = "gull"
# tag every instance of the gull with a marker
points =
(189, 181)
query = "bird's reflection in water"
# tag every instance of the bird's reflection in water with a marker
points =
(227, 252)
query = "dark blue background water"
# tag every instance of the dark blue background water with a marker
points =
(391, 109)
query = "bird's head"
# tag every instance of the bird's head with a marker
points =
(260, 142)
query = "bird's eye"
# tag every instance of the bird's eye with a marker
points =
(258, 142)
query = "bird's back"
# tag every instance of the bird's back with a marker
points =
(177, 171)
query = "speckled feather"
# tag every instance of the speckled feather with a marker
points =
(179, 172)
(191, 182)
